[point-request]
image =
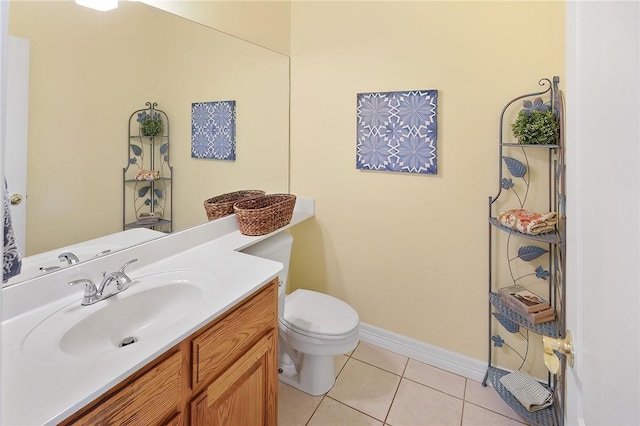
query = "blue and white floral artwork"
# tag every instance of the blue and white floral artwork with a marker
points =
(397, 131)
(213, 130)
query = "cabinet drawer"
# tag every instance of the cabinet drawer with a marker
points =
(226, 340)
(146, 400)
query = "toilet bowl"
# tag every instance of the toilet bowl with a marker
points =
(313, 327)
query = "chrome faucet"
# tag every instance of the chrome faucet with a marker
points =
(93, 294)
(68, 257)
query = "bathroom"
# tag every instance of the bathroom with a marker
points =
(389, 244)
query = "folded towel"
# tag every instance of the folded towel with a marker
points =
(12, 263)
(147, 175)
(527, 390)
(527, 222)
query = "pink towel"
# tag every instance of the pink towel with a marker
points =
(527, 222)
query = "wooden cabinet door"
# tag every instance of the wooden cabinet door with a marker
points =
(216, 347)
(245, 394)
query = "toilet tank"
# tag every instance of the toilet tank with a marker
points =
(277, 248)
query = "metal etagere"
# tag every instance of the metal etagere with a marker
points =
(148, 203)
(522, 251)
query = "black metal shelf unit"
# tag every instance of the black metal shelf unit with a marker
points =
(547, 249)
(147, 200)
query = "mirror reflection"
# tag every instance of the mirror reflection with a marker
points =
(89, 70)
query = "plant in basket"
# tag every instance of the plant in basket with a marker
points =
(536, 124)
(150, 125)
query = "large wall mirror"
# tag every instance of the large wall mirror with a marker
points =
(90, 70)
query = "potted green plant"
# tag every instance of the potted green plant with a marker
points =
(536, 124)
(150, 125)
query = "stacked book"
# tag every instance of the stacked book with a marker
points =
(150, 218)
(527, 304)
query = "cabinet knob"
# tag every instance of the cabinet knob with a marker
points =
(16, 199)
(564, 346)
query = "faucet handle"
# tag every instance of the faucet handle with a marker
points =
(102, 253)
(90, 290)
(48, 269)
(127, 264)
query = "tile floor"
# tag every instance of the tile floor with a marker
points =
(378, 387)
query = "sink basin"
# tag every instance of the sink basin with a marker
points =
(152, 305)
(135, 317)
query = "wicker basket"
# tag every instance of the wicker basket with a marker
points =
(222, 205)
(262, 215)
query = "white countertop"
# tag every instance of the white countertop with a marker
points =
(43, 390)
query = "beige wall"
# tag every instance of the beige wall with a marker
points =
(263, 22)
(408, 251)
(91, 70)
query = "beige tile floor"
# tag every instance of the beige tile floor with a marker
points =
(378, 387)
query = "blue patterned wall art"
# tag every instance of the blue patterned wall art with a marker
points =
(397, 131)
(213, 130)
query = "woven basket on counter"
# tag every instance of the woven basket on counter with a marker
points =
(262, 215)
(222, 205)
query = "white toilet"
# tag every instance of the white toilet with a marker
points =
(313, 327)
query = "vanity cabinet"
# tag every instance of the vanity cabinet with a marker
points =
(224, 374)
(148, 176)
(245, 393)
(531, 178)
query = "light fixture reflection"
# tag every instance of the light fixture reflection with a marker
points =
(101, 5)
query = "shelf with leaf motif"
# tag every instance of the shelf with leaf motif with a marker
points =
(547, 416)
(147, 225)
(148, 137)
(160, 179)
(147, 201)
(522, 188)
(548, 237)
(521, 145)
(510, 319)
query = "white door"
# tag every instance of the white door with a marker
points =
(603, 211)
(17, 118)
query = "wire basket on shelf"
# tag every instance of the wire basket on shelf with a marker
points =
(260, 216)
(222, 205)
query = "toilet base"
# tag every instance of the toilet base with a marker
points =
(317, 374)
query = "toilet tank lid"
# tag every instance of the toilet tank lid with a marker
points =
(319, 313)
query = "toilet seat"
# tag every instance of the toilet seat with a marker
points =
(319, 315)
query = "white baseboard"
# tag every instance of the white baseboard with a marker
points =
(449, 361)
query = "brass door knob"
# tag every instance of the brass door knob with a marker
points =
(564, 346)
(16, 199)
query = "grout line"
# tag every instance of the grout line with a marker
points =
(316, 409)
(464, 400)
(495, 412)
(392, 400)
(406, 364)
(435, 389)
(379, 368)
(462, 412)
(354, 409)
